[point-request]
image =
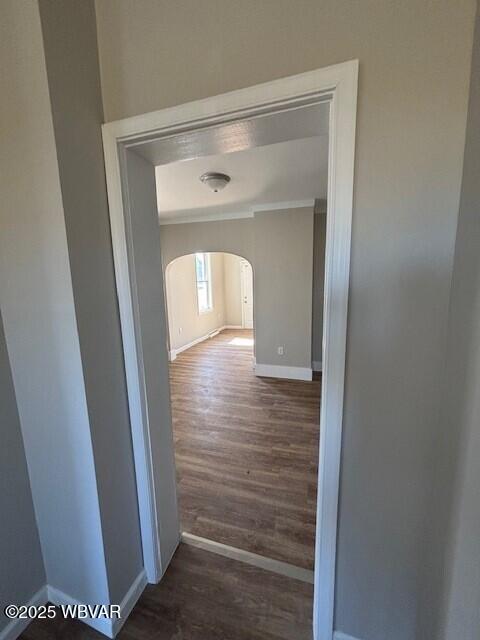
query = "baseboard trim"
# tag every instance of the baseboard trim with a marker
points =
(106, 626)
(173, 353)
(268, 564)
(130, 600)
(317, 365)
(280, 371)
(102, 625)
(233, 326)
(338, 635)
(15, 627)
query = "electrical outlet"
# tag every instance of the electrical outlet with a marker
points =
(280, 351)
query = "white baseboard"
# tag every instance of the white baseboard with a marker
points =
(268, 564)
(173, 353)
(106, 626)
(15, 627)
(103, 625)
(130, 600)
(317, 365)
(338, 635)
(280, 371)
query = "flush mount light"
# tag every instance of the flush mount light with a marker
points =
(216, 181)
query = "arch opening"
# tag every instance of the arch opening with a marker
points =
(208, 292)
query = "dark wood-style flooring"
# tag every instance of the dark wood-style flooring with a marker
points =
(246, 454)
(204, 596)
(246, 450)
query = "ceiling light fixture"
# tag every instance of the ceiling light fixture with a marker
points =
(216, 181)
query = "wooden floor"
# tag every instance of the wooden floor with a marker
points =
(246, 453)
(204, 596)
(246, 450)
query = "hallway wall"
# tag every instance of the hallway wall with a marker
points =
(412, 104)
(69, 36)
(461, 424)
(40, 325)
(21, 564)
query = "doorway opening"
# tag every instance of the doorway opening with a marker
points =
(265, 114)
(256, 465)
(246, 471)
(205, 294)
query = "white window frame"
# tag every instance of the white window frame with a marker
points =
(208, 268)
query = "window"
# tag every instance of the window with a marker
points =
(204, 282)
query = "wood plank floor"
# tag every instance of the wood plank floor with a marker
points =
(246, 450)
(204, 596)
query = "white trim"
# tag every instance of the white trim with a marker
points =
(243, 283)
(103, 625)
(280, 206)
(338, 635)
(282, 371)
(240, 555)
(130, 600)
(317, 365)
(109, 627)
(208, 280)
(337, 84)
(207, 217)
(106, 626)
(173, 353)
(341, 156)
(237, 215)
(233, 326)
(134, 371)
(15, 627)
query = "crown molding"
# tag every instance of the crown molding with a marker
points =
(235, 215)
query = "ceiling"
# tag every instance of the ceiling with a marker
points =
(237, 134)
(288, 172)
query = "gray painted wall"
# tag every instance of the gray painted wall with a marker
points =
(319, 243)
(461, 613)
(39, 317)
(279, 246)
(229, 236)
(413, 92)
(21, 565)
(283, 272)
(414, 71)
(70, 43)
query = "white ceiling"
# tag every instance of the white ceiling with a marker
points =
(280, 173)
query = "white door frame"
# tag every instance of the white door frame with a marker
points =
(242, 291)
(338, 85)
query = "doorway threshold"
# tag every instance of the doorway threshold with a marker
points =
(254, 559)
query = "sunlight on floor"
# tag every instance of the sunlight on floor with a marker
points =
(241, 342)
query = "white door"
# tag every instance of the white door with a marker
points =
(247, 294)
